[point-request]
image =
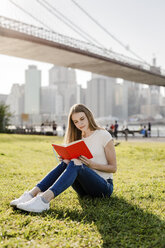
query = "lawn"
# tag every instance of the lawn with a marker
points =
(132, 217)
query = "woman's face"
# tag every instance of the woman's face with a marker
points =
(80, 120)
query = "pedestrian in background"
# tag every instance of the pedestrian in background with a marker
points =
(149, 129)
(116, 130)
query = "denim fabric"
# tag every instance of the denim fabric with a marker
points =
(84, 181)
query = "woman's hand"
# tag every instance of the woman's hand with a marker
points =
(77, 161)
(86, 161)
(66, 161)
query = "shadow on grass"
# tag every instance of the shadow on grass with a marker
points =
(119, 223)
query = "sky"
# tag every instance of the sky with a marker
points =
(138, 24)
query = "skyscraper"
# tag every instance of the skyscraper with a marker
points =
(65, 80)
(15, 100)
(100, 95)
(32, 90)
(51, 101)
(134, 98)
(62, 75)
(3, 98)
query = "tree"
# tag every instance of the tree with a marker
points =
(4, 117)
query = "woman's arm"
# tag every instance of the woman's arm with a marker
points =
(110, 154)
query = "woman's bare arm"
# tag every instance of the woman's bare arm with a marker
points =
(110, 153)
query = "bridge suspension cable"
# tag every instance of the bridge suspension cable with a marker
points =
(52, 10)
(42, 23)
(108, 33)
(29, 14)
(96, 22)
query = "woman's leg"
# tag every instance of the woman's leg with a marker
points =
(41, 186)
(51, 177)
(78, 188)
(89, 181)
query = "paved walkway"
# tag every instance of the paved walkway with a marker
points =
(141, 139)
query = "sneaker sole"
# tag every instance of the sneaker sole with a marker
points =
(32, 211)
(13, 205)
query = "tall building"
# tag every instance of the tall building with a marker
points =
(100, 95)
(121, 101)
(68, 90)
(32, 90)
(15, 100)
(62, 75)
(3, 98)
(125, 101)
(152, 105)
(155, 94)
(134, 98)
(118, 100)
(82, 95)
(51, 102)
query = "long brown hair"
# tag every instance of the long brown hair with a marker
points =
(72, 132)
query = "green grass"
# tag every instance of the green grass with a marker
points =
(132, 217)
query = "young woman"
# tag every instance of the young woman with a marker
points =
(92, 177)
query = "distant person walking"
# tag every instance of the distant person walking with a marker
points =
(116, 130)
(111, 130)
(63, 127)
(149, 129)
(42, 128)
(54, 126)
(144, 132)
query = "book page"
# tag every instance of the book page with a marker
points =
(71, 143)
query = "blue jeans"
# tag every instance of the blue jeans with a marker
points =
(84, 181)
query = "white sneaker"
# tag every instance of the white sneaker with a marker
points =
(23, 198)
(35, 205)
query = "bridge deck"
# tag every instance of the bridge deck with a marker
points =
(22, 45)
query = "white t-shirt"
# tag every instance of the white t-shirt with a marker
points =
(96, 143)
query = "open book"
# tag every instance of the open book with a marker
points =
(73, 150)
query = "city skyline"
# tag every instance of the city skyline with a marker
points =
(22, 64)
(82, 77)
(137, 24)
(104, 96)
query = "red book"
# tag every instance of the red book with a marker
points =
(73, 150)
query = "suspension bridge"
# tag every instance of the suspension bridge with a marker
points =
(38, 43)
